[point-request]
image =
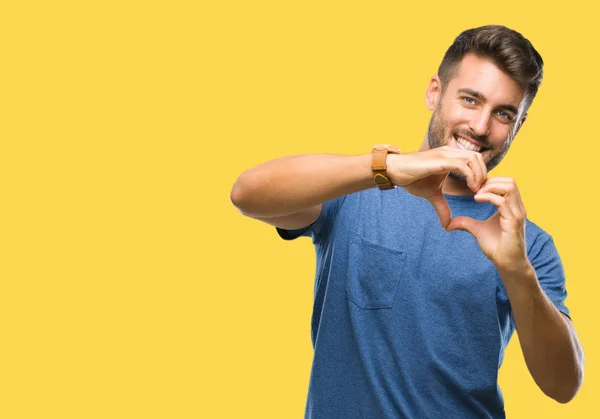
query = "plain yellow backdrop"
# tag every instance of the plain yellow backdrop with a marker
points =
(132, 288)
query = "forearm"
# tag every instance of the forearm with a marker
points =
(549, 343)
(291, 184)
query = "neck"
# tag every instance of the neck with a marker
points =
(454, 186)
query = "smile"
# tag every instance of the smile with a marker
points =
(466, 144)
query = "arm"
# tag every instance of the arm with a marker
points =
(295, 184)
(548, 340)
(547, 337)
(289, 191)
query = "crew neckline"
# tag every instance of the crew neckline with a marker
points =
(460, 198)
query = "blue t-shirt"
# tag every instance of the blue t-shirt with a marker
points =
(409, 320)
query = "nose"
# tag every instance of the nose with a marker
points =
(480, 123)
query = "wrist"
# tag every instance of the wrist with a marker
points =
(521, 267)
(397, 166)
(520, 284)
(381, 154)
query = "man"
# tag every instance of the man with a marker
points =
(414, 308)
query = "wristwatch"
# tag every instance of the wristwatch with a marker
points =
(379, 166)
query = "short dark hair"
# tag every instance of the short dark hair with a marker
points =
(506, 48)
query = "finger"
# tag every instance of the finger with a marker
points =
(441, 207)
(464, 223)
(502, 179)
(483, 166)
(467, 163)
(510, 192)
(473, 158)
(463, 167)
(451, 152)
(499, 201)
(506, 186)
(479, 169)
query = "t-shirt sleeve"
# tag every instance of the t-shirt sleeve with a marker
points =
(320, 228)
(548, 266)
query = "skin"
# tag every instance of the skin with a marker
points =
(481, 104)
(472, 108)
(484, 105)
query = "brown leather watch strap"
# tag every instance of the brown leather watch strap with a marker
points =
(379, 165)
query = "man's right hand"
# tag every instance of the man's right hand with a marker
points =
(423, 174)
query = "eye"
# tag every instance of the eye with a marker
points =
(504, 115)
(469, 100)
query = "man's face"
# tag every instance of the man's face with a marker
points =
(480, 109)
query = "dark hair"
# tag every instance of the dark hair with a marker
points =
(506, 48)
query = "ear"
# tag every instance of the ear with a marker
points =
(520, 124)
(433, 92)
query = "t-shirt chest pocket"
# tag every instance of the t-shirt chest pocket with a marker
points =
(374, 273)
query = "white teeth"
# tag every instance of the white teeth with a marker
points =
(464, 144)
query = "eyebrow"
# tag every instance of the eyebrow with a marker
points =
(480, 96)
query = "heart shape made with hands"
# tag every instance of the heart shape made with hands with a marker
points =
(501, 236)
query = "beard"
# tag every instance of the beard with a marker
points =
(439, 135)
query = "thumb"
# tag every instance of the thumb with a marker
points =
(441, 207)
(464, 223)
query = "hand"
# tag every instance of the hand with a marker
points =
(502, 236)
(423, 173)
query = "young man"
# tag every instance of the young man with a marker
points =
(419, 287)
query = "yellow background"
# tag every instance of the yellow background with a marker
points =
(132, 288)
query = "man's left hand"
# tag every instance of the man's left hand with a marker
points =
(502, 236)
